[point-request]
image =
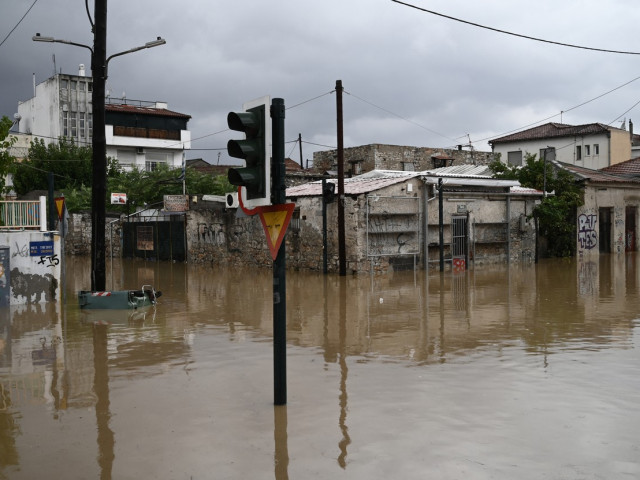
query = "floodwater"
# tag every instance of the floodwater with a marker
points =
(502, 372)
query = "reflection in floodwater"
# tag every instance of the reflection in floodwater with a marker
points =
(106, 440)
(281, 455)
(460, 375)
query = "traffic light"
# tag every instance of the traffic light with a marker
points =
(328, 191)
(255, 150)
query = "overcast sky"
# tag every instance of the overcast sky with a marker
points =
(410, 77)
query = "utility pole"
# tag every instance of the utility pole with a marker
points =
(300, 145)
(341, 229)
(99, 187)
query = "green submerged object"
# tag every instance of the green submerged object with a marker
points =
(119, 299)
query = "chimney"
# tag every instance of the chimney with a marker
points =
(81, 72)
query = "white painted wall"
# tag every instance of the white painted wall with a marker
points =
(34, 278)
(565, 150)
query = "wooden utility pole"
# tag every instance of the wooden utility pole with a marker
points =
(300, 145)
(99, 182)
(341, 230)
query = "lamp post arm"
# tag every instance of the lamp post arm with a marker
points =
(155, 43)
(38, 38)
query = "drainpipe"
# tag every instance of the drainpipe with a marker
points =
(426, 199)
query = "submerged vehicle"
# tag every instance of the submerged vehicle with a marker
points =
(119, 299)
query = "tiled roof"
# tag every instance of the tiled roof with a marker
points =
(597, 176)
(133, 109)
(554, 130)
(629, 168)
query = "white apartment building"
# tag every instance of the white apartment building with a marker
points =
(138, 133)
(592, 145)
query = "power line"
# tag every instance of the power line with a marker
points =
(565, 111)
(398, 116)
(514, 34)
(19, 22)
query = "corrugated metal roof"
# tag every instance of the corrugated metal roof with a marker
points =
(377, 179)
(352, 186)
(471, 171)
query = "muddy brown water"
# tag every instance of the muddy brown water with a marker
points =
(502, 372)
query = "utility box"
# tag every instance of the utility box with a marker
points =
(5, 276)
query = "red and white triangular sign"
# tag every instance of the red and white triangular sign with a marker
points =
(275, 220)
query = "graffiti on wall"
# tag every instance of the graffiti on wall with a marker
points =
(587, 235)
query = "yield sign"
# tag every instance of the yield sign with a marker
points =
(59, 206)
(275, 220)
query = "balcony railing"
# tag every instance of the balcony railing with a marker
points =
(24, 214)
(143, 132)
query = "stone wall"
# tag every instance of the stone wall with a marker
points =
(387, 234)
(393, 157)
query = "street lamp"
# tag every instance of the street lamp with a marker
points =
(154, 43)
(99, 62)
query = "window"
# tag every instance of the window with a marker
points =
(82, 125)
(578, 152)
(154, 159)
(74, 85)
(90, 126)
(74, 124)
(515, 158)
(596, 149)
(64, 84)
(587, 150)
(65, 124)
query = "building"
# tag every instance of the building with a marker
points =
(393, 220)
(608, 220)
(139, 134)
(592, 145)
(365, 158)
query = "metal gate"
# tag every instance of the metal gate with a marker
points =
(459, 242)
(155, 239)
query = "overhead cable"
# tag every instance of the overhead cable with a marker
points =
(512, 33)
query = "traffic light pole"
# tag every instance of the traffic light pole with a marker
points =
(278, 190)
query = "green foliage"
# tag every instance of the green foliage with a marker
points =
(69, 163)
(556, 212)
(78, 199)
(148, 188)
(6, 142)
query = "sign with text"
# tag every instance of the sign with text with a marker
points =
(38, 249)
(176, 203)
(118, 199)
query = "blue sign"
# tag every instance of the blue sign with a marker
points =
(38, 249)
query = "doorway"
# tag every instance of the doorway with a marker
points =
(604, 238)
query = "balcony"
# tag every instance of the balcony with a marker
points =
(142, 132)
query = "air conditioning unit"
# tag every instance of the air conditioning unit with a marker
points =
(232, 200)
(140, 151)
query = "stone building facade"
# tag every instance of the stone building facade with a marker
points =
(365, 158)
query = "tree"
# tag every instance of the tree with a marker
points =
(69, 163)
(6, 142)
(556, 213)
(149, 187)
